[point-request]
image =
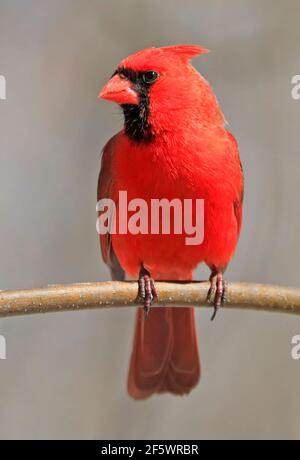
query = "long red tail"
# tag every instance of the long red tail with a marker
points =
(165, 354)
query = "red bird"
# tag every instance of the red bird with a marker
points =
(173, 145)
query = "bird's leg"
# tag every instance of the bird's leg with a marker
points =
(147, 291)
(217, 291)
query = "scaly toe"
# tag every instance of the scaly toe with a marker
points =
(219, 289)
(147, 292)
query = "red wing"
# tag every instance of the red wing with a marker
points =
(105, 190)
(238, 203)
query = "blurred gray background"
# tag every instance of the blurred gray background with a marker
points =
(65, 374)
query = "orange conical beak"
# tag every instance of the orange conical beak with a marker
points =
(119, 90)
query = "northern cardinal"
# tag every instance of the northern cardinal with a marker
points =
(173, 145)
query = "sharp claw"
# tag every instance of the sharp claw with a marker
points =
(146, 313)
(210, 293)
(218, 288)
(147, 292)
(214, 313)
(224, 293)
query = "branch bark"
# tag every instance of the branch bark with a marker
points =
(55, 298)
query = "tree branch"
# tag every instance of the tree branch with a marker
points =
(56, 298)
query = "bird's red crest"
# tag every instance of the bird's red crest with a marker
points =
(157, 57)
(186, 52)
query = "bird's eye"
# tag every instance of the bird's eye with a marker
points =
(150, 76)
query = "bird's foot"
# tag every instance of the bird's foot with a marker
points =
(147, 292)
(217, 291)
